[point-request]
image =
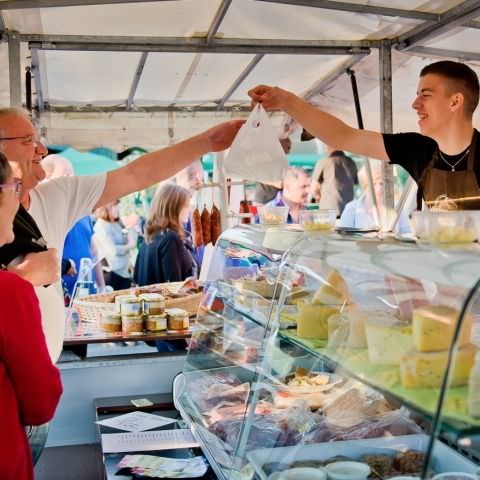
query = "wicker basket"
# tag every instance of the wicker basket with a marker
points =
(91, 307)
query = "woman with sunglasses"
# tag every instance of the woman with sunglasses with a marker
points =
(30, 385)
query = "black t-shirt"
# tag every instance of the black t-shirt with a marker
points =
(413, 152)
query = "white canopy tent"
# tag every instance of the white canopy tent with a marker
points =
(117, 74)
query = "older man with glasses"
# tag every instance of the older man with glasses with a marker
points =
(48, 210)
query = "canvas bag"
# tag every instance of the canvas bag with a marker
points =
(256, 152)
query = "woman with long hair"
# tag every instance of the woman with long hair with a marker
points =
(114, 244)
(167, 254)
(30, 385)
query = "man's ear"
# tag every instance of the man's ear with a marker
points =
(457, 101)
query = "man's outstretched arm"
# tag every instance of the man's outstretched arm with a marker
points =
(156, 166)
(328, 128)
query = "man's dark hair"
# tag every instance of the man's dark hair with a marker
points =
(461, 79)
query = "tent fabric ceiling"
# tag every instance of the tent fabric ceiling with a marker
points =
(101, 80)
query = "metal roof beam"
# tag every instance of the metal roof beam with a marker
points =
(359, 8)
(136, 108)
(38, 81)
(239, 80)
(196, 45)
(19, 4)
(136, 79)
(217, 20)
(442, 53)
(455, 17)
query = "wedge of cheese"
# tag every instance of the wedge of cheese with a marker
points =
(388, 339)
(426, 370)
(433, 328)
(333, 292)
(312, 320)
(347, 329)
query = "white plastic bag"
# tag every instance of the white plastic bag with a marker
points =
(256, 152)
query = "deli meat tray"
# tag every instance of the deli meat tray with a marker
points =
(445, 459)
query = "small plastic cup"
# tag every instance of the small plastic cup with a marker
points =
(318, 220)
(272, 215)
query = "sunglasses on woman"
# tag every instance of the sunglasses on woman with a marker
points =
(15, 186)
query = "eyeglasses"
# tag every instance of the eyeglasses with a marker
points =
(16, 186)
(32, 139)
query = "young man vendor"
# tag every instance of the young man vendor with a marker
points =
(444, 159)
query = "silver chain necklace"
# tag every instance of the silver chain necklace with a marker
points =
(457, 162)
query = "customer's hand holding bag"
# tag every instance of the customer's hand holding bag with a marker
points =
(256, 153)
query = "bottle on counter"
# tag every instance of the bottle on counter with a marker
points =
(474, 388)
(85, 285)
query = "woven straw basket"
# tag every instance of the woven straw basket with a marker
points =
(91, 307)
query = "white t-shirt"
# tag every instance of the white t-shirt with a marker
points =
(55, 206)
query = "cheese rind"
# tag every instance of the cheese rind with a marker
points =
(426, 370)
(433, 328)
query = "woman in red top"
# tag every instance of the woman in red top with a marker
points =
(30, 385)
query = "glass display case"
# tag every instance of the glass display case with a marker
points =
(343, 357)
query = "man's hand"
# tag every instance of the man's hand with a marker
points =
(271, 98)
(42, 268)
(221, 136)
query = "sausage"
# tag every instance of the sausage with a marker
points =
(206, 225)
(197, 232)
(216, 224)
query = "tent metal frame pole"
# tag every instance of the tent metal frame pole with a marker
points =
(218, 19)
(14, 69)
(239, 80)
(195, 45)
(38, 80)
(49, 41)
(21, 4)
(454, 17)
(358, 8)
(442, 53)
(386, 117)
(150, 109)
(136, 79)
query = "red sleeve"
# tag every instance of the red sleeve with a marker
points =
(23, 350)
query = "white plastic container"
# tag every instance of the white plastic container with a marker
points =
(348, 471)
(318, 220)
(301, 473)
(462, 226)
(272, 215)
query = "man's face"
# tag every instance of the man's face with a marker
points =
(24, 154)
(433, 105)
(296, 189)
